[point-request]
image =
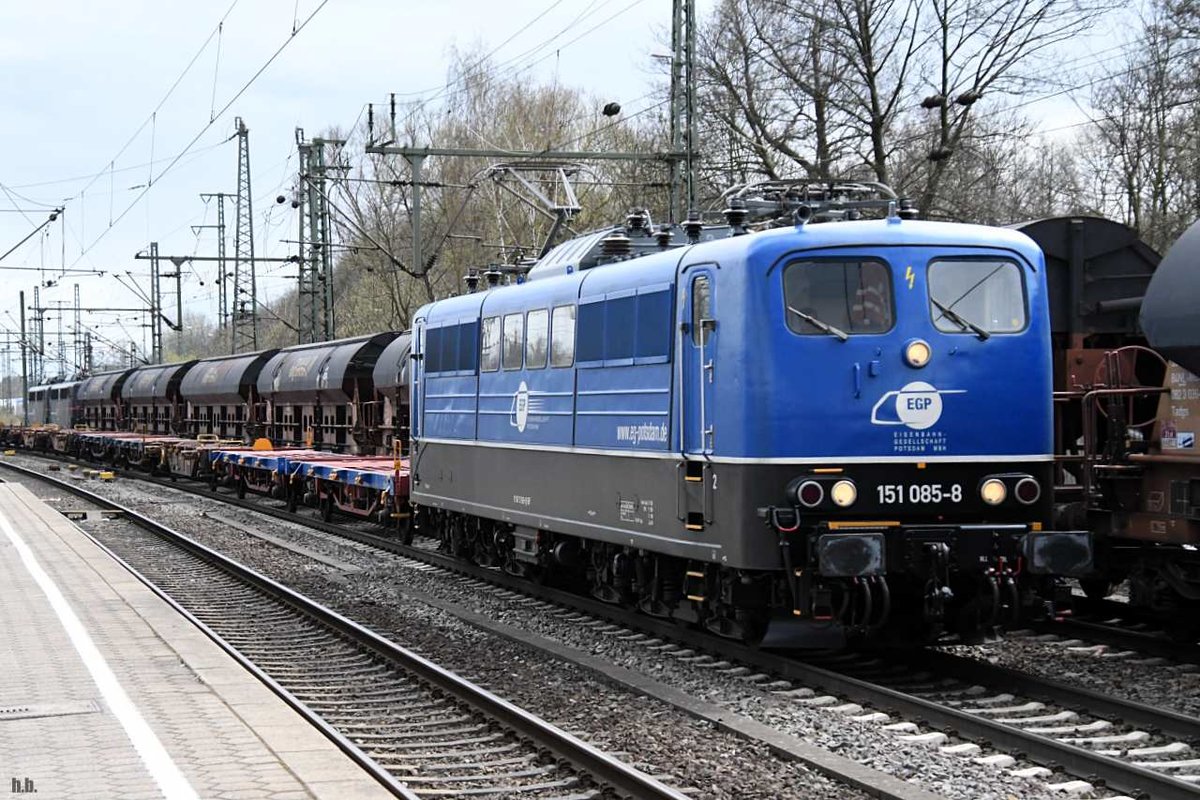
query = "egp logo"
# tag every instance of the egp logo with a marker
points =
(520, 409)
(917, 405)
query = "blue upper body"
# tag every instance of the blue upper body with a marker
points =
(788, 345)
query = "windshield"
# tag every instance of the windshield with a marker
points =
(972, 296)
(838, 297)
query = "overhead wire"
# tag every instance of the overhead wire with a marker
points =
(168, 94)
(204, 129)
(512, 65)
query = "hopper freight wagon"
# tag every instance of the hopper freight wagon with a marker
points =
(219, 396)
(322, 395)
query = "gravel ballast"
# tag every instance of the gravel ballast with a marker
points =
(656, 736)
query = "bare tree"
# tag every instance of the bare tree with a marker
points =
(1142, 150)
(878, 40)
(986, 47)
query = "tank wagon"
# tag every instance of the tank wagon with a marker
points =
(840, 429)
(321, 395)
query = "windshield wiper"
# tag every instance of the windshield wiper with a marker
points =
(824, 327)
(959, 319)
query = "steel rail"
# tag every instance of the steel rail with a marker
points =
(602, 767)
(1152, 643)
(1173, 723)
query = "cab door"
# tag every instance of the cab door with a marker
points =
(416, 384)
(698, 358)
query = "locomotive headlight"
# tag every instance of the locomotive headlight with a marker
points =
(993, 491)
(844, 493)
(917, 353)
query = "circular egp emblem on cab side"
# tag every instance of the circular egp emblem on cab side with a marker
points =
(521, 407)
(917, 405)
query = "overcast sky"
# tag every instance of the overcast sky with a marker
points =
(80, 79)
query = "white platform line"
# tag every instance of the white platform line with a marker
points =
(158, 761)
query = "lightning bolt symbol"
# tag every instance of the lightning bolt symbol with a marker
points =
(910, 276)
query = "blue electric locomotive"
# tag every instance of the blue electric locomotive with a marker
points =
(846, 425)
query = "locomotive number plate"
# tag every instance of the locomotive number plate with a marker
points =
(919, 493)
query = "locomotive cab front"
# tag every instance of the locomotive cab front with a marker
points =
(897, 425)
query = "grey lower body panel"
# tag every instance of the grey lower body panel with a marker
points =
(618, 499)
(707, 511)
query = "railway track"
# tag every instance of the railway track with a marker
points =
(1106, 741)
(1111, 624)
(421, 730)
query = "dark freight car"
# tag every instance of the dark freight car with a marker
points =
(391, 387)
(100, 403)
(218, 393)
(322, 395)
(151, 397)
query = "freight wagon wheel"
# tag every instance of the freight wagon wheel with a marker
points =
(1146, 370)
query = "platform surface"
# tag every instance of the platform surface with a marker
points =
(107, 692)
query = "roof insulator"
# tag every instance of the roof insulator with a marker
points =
(693, 226)
(662, 237)
(472, 280)
(616, 245)
(736, 215)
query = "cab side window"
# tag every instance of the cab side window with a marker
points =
(537, 331)
(489, 345)
(514, 340)
(701, 308)
(562, 336)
